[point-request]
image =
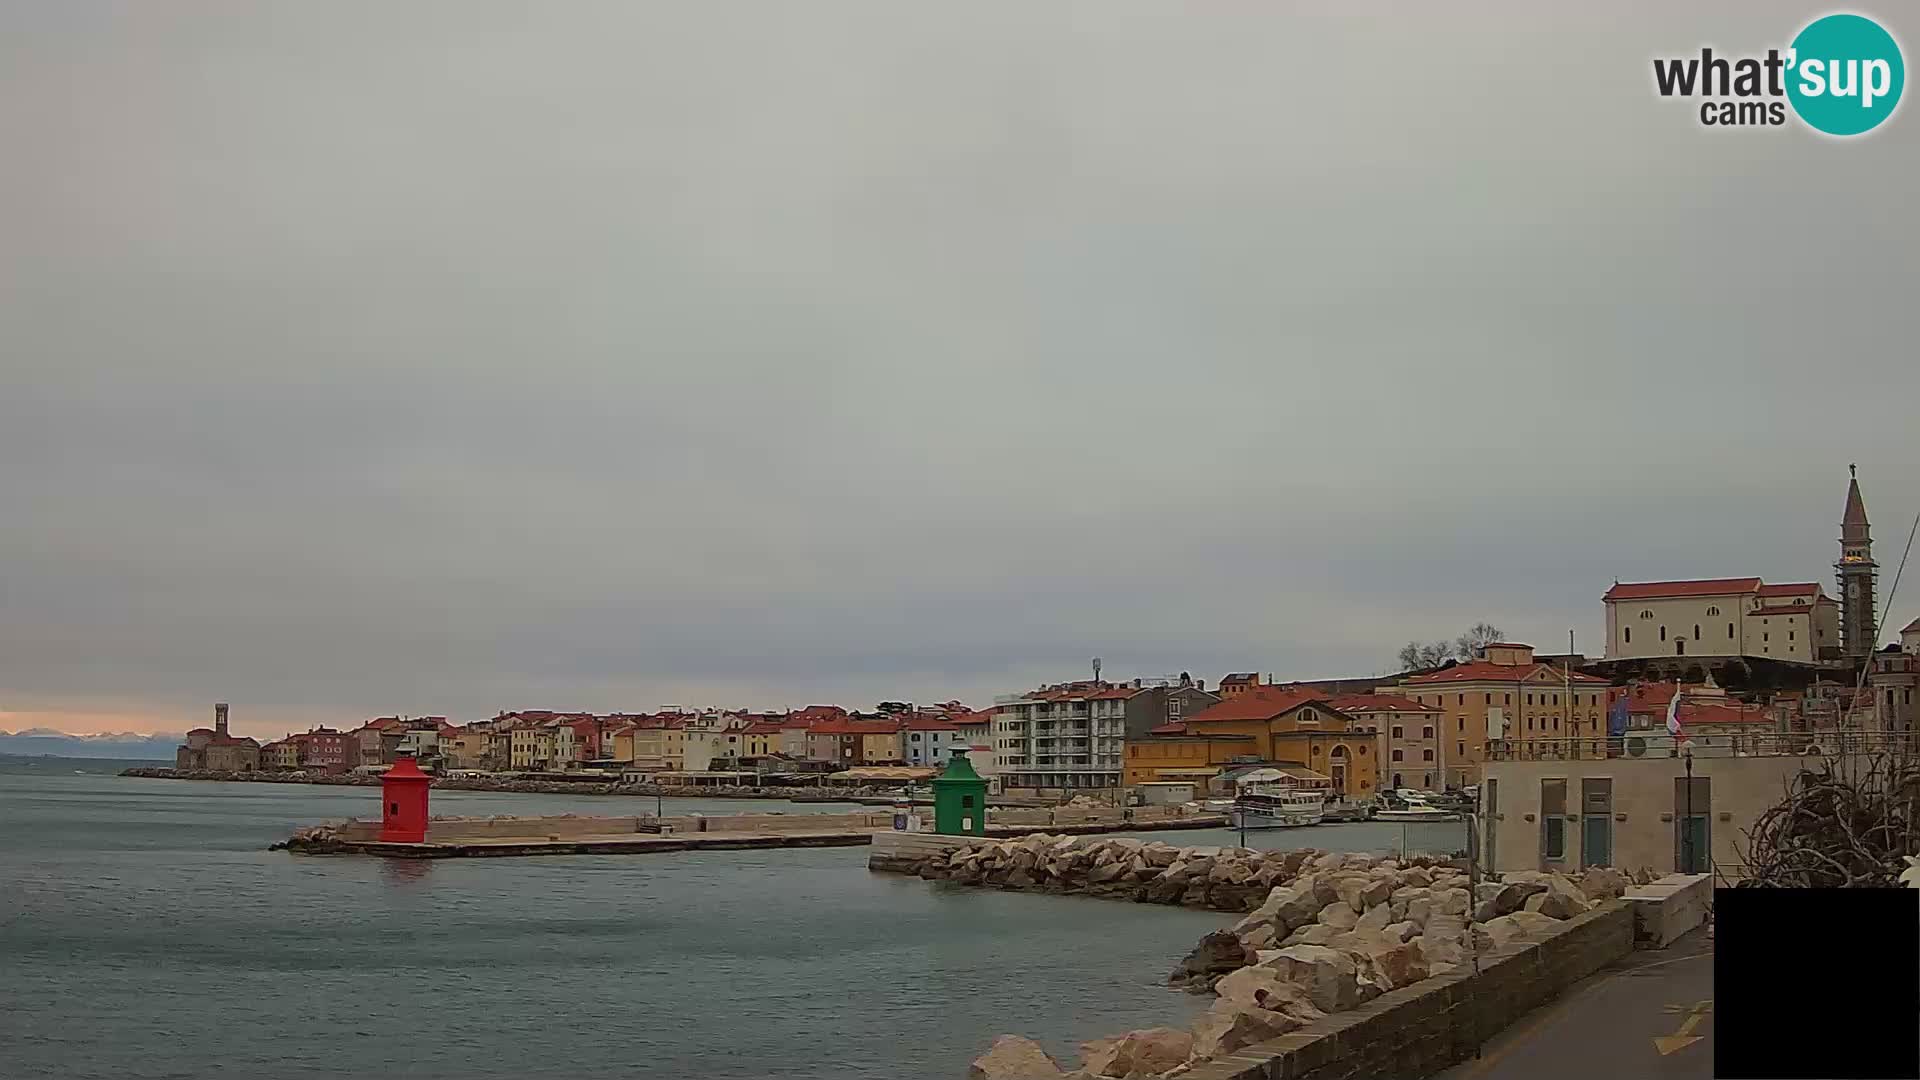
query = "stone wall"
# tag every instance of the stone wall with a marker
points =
(1430, 1025)
(1665, 909)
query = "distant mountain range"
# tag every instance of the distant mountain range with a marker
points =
(117, 744)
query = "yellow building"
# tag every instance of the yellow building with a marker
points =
(881, 747)
(760, 739)
(1285, 725)
(522, 746)
(1509, 696)
(1176, 757)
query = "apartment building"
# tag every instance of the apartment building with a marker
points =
(1062, 738)
(1507, 696)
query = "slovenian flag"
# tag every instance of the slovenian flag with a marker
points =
(1673, 715)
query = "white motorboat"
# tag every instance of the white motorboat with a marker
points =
(1414, 808)
(1277, 806)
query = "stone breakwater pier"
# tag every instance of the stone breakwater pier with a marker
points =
(496, 837)
(1342, 964)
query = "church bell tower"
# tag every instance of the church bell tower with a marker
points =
(1858, 572)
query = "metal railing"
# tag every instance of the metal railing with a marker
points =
(1650, 745)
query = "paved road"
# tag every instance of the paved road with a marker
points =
(1615, 1024)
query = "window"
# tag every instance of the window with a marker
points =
(1729, 631)
(1363, 749)
(1462, 701)
(1627, 632)
(1426, 755)
(1763, 637)
(1648, 614)
(1529, 699)
(1460, 749)
(915, 737)
(1489, 700)
(1696, 631)
(1506, 699)
(1459, 723)
(1396, 731)
(1529, 723)
(1789, 635)
(1398, 756)
(1713, 611)
(1663, 633)
(1427, 732)
(1553, 820)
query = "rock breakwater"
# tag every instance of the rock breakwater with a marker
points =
(1327, 932)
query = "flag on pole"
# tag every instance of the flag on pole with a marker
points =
(1673, 715)
(1617, 717)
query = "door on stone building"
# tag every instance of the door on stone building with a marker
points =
(1679, 646)
(1596, 821)
(1692, 836)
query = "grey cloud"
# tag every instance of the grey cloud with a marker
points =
(448, 358)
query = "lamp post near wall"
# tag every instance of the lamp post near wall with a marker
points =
(1686, 812)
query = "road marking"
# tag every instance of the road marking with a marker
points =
(1684, 1037)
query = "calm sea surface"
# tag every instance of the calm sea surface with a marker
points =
(146, 932)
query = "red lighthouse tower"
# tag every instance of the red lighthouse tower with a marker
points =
(404, 791)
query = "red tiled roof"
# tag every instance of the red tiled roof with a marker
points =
(1487, 671)
(1798, 588)
(1657, 590)
(1258, 703)
(854, 727)
(1172, 727)
(201, 731)
(1912, 627)
(1361, 703)
(928, 723)
(763, 728)
(1507, 645)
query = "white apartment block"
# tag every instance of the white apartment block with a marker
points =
(1061, 738)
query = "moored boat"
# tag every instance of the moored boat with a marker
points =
(1277, 806)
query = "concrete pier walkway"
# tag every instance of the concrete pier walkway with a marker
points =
(1650, 1015)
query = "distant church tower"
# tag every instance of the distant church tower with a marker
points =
(1858, 571)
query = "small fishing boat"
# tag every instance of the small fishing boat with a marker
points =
(1277, 806)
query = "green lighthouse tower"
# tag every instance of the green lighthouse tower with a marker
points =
(960, 799)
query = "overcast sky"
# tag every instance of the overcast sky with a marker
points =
(448, 357)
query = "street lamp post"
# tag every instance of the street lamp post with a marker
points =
(1686, 812)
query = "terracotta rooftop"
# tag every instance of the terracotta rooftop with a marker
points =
(1379, 703)
(1258, 703)
(1487, 671)
(1797, 588)
(1657, 590)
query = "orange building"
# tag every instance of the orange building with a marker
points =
(1508, 696)
(1285, 725)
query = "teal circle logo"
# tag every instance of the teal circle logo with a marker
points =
(1845, 74)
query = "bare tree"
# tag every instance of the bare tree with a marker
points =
(1415, 655)
(1475, 641)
